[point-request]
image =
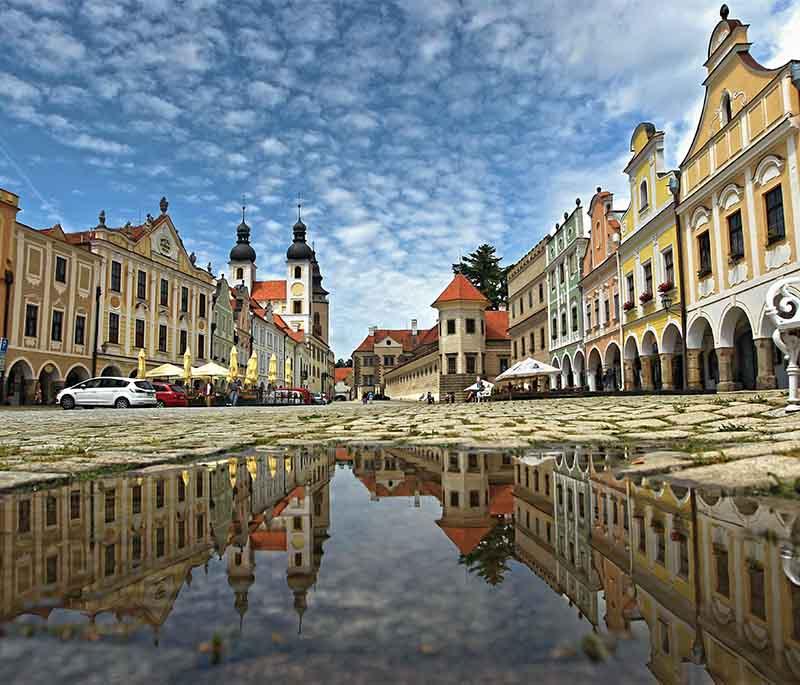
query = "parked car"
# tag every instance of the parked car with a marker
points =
(340, 398)
(108, 391)
(319, 398)
(284, 396)
(168, 395)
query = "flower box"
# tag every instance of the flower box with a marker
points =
(665, 287)
(628, 306)
(645, 297)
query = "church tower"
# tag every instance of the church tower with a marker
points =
(242, 260)
(320, 307)
(299, 272)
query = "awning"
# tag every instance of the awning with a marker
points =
(527, 368)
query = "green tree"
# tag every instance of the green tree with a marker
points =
(342, 364)
(490, 556)
(483, 269)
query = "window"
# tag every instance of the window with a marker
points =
(61, 270)
(522, 342)
(388, 361)
(200, 526)
(136, 499)
(113, 328)
(57, 326)
(642, 537)
(574, 318)
(183, 342)
(31, 320)
(202, 306)
(541, 337)
(451, 364)
(757, 602)
(474, 498)
(643, 200)
(597, 311)
(471, 363)
(162, 338)
(533, 343)
(683, 556)
(541, 292)
(110, 560)
(725, 108)
(647, 269)
(554, 328)
(547, 484)
(735, 236)
(581, 505)
(80, 329)
(164, 300)
(561, 273)
(530, 299)
(607, 309)
(723, 580)
(776, 229)
(181, 489)
(160, 541)
(451, 327)
(563, 323)
(521, 306)
(704, 248)
(136, 547)
(669, 266)
(471, 326)
(141, 284)
(138, 336)
(51, 511)
(181, 534)
(110, 505)
(74, 505)
(51, 570)
(297, 307)
(503, 364)
(116, 277)
(159, 494)
(616, 306)
(630, 291)
(201, 346)
(199, 485)
(24, 516)
(184, 299)
(298, 272)
(661, 544)
(515, 349)
(453, 498)
(663, 629)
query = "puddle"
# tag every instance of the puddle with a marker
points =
(400, 564)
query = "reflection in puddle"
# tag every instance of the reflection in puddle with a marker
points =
(713, 581)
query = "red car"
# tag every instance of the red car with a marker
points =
(170, 395)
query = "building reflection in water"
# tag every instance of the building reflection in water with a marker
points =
(124, 546)
(715, 580)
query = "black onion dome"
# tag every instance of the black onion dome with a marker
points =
(243, 251)
(299, 249)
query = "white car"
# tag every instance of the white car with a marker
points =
(108, 391)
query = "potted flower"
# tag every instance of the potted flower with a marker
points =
(628, 306)
(665, 287)
(645, 297)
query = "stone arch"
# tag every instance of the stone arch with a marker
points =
(49, 382)
(702, 363)
(111, 370)
(631, 347)
(19, 382)
(567, 376)
(672, 357)
(579, 368)
(651, 367)
(771, 361)
(77, 374)
(728, 321)
(671, 339)
(649, 344)
(613, 365)
(739, 364)
(594, 370)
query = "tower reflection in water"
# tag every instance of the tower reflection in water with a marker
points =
(716, 579)
(123, 546)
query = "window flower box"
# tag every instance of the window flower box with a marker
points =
(665, 287)
(628, 306)
(644, 298)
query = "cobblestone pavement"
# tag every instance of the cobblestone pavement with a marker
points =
(729, 440)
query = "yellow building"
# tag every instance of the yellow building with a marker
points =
(50, 287)
(153, 295)
(649, 254)
(739, 199)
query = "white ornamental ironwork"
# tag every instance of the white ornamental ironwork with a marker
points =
(783, 308)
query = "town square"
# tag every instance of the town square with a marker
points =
(449, 341)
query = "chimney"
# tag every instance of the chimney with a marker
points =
(373, 330)
(413, 327)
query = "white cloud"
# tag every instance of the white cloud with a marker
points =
(240, 119)
(273, 146)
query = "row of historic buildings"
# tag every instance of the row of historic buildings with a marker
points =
(85, 303)
(670, 292)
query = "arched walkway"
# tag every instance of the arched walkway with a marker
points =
(613, 375)
(111, 370)
(633, 365)
(702, 365)
(672, 358)
(567, 379)
(49, 383)
(77, 374)
(651, 363)
(594, 370)
(738, 366)
(555, 379)
(579, 370)
(771, 361)
(19, 383)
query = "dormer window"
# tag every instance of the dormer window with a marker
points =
(298, 272)
(726, 113)
(643, 199)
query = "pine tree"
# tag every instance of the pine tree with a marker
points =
(483, 269)
(489, 558)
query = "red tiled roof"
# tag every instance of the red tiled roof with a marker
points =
(269, 290)
(429, 336)
(341, 374)
(297, 336)
(466, 539)
(268, 540)
(496, 325)
(501, 499)
(404, 336)
(342, 454)
(460, 289)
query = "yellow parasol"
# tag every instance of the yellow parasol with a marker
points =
(289, 371)
(252, 467)
(233, 369)
(273, 465)
(273, 369)
(287, 464)
(187, 367)
(142, 364)
(251, 376)
(233, 466)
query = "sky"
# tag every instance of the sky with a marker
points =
(413, 130)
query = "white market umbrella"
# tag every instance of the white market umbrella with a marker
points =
(474, 387)
(210, 370)
(165, 371)
(527, 368)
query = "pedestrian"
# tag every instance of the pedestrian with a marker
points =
(261, 392)
(234, 396)
(209, 393)
(430, 397)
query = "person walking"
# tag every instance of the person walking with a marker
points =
(235, 387)
(209, 393)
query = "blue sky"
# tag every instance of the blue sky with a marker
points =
(413, 130)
